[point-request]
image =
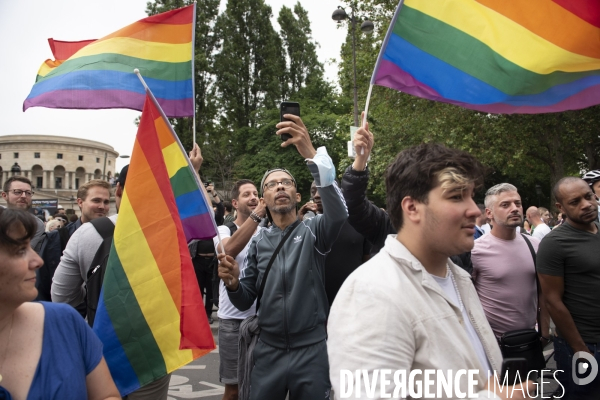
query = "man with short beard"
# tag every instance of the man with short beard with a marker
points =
(504, 268)
(17, 193)
(569, 272)
(236, 236)
(291, 355)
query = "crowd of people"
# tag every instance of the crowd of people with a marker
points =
(308, 291)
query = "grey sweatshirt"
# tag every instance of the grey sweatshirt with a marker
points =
(294, 306)
(71, 274)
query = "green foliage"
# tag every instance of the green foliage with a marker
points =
(526, 150)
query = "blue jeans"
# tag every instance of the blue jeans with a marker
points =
(563, 354)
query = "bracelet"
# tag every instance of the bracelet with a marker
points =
(254, 217)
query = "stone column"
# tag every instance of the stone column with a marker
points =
(46, 175)
(52, 183)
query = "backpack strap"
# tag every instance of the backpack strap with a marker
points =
(232, 227)
(279, 246)
(106, 229)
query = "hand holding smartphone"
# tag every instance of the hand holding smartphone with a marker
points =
(288, 107)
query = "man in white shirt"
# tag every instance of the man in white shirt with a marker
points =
(250, 211)
(410, 309)
(540, 229)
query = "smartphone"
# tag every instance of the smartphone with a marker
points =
(510, 366)
(288, 107)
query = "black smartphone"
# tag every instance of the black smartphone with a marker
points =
(510, 366)
(288, 107)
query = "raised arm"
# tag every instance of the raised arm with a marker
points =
(236, 243)
(368, 219)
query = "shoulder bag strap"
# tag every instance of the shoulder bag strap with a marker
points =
(279, 246)
(537, 281)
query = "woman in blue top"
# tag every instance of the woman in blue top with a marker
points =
(47, 351)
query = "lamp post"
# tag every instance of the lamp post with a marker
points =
(367, 26)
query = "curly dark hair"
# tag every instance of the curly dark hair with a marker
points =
(416, 171)
(11, 217)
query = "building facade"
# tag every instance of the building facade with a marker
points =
(56, 165)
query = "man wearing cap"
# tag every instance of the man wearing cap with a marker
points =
(61, 210)
(291, 353)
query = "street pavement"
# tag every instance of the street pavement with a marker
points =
(200, 378)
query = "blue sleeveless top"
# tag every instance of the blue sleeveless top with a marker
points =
(70, 351)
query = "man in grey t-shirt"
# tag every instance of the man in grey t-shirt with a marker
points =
(568, 264)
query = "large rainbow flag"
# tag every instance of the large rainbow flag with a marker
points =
(497, 56)
(150, 316)
(99, 74)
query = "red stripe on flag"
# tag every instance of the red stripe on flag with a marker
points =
(183, 15)
(63, 50)
(587, 10)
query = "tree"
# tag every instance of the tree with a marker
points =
(320, 108)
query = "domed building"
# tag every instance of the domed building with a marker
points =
(56, 165)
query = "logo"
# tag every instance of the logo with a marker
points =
(297, 239)
(581, 364)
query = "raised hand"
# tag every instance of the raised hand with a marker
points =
(363, 144)
(229, 271)
(300, 137)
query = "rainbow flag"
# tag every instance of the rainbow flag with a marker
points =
(496, 56)
(150, 316)
(99, 74)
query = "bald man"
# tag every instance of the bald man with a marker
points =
(540, 229)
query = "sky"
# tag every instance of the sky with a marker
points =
(25, 27)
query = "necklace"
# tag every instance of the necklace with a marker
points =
(460, 302)
(12, 318)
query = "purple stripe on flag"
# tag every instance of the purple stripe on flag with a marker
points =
(101, 99)
(199, 227)
(392, 76)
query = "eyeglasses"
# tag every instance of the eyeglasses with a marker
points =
(19, 192)
(287, 183)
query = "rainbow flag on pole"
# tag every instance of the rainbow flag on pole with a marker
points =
(99, 74)
(497, 56)
(150, 316)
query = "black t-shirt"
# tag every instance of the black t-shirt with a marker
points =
(347, 254)
(575, 255)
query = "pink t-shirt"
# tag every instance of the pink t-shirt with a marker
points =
(504, 275)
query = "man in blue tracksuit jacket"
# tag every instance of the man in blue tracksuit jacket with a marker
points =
(291, 354)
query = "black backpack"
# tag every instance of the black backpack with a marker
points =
(215, 278)
(95, 274)
(50, 250)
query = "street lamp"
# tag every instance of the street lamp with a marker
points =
(367, 27)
